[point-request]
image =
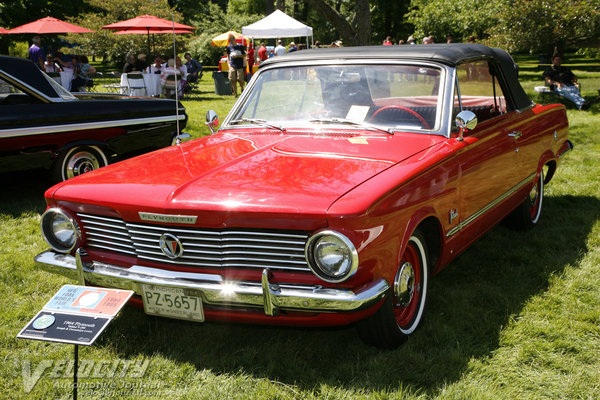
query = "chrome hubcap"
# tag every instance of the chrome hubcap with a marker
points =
(404, 285)
(81, 163)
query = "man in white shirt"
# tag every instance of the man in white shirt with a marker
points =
(279, 50)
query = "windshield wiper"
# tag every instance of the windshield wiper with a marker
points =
(258, 122)
(344, 121)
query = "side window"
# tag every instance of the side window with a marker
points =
(480, 90)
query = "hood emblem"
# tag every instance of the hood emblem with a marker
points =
(170, 245)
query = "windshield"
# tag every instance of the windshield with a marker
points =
(385, 97)
(61, 91)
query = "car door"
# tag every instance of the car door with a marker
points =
(488, 162)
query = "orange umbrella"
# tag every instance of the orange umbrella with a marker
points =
(223, 39)
(49, 25)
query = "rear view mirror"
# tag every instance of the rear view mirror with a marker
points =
(212, 121)
(465, 121)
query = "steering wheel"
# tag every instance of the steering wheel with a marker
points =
(413, 114)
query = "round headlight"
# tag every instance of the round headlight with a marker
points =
(60, 231)
(331, 256)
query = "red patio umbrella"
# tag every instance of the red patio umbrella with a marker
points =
(152, 31)
(147, 24)
(3, 31)
(49, 25)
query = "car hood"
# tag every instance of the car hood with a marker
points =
(248, 172)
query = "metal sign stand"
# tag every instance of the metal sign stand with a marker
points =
(75, 367)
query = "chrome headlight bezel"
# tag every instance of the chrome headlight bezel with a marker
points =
(317, 267)
(47, 224)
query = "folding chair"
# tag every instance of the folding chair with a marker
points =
(90, 84)
(135, 82)
(115, 86)
(192, 90)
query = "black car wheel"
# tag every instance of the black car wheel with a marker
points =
(528, 213)
(78, 160)
(402, 311)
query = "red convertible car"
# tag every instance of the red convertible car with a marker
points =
(339, 183)
(44, 126)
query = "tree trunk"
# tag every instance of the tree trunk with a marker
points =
(349, 35)
(269, 6)
(363, 22)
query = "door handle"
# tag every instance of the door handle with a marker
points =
(515, 134)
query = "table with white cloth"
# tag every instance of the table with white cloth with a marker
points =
(151, 81)
(66, 77)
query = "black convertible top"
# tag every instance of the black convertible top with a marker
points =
(449, 54)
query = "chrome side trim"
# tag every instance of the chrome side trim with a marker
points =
(489, 206)
(84, 125)
(267, 295)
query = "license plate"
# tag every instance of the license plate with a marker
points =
(172, 302)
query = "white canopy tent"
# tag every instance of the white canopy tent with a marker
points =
(277, 25)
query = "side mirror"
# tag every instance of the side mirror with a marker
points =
(212, 121)
(465, 121)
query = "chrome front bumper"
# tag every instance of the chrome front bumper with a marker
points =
(213, 289)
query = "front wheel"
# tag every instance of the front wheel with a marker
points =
(78, 160)
(402, 311)
(528, 213)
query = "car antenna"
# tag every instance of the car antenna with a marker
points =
(178, 137)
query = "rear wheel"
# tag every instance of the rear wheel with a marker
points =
(401, 313)
(78, 160)
(528, 213)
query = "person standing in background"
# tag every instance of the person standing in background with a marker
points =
(35, 52)
(250, 58)
(235, 58)
(279, 50)
(262, 53)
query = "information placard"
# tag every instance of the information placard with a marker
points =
(76, 315)
(64, 328)
(88, 300)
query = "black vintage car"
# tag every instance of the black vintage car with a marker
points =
(43, 125)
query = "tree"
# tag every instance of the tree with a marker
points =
(213, 24)
(356, 32)
(18, 12)
(115, 47)
(540, 25)
(388, 18)
(459, 18)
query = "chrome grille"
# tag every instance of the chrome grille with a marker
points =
(210, 248)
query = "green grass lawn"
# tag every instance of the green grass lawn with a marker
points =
(517, 316)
